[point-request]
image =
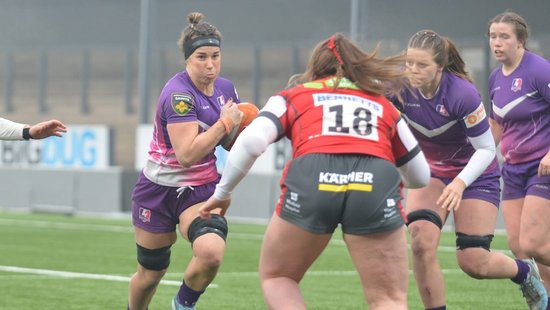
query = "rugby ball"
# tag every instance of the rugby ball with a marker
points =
(249, 113)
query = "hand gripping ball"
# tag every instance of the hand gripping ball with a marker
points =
(249, 113)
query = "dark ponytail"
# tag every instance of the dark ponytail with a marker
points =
(443, 49)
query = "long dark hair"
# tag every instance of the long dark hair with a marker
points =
(444, 51)
(339, 56)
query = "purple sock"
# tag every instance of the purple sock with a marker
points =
(523, 270)
(438, 308)
(548, 307)
(187, 296)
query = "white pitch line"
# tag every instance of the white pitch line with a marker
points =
(121, 229)
(44, 273)
(79, 275)
(441, 248)
(68, 226)
(315, 273)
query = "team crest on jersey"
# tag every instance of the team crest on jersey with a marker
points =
(441, 110)
(516, 84)
(221, 100)
(181, 103)
(145, 215)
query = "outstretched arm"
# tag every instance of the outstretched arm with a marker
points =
(47, 129)
(250, 144)
(15, 131)
(413, 168)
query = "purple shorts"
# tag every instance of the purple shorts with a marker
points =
(521, 180)
(485, 187)
(156, 208)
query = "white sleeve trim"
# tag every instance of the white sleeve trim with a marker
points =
(11, 130)
(416, 172)
(406, 135)
(484, 145)
(275, 105)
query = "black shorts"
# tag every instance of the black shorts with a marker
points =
(362, 193)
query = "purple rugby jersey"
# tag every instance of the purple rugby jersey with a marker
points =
(443, 123)
(180, 101)
(521, 105)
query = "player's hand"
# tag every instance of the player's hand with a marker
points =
(205, 211)
(544, 166)
(47, 129)
(231, 112)
(452, 195)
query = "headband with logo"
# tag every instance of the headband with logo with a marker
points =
(191, 45)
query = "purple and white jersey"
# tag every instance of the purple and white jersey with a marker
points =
(180, 101)
(442, 124)
(521, 105)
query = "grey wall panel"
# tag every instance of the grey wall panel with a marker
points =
(108, 191)
(255, 197)
(15, 189)
(129, 178)
(61, 190)
(51, 190)
(99, 191)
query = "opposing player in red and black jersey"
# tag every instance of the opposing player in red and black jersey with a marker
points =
(352, 153)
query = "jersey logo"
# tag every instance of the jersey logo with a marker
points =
(413, 105)
(353, 181)
(441, 110)
(516, 84)
(181, 103)
(221, 100)
(475, 117)
(145, 215)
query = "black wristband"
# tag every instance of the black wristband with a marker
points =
(26, 133)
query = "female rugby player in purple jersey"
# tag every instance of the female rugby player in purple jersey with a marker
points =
(519, 89)
(445, 112)
(195, 110)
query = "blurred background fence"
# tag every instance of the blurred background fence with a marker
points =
(81, 61)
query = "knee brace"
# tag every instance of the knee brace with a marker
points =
(216, 224)
(157, 259)
(464, 241)
(426, 215)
